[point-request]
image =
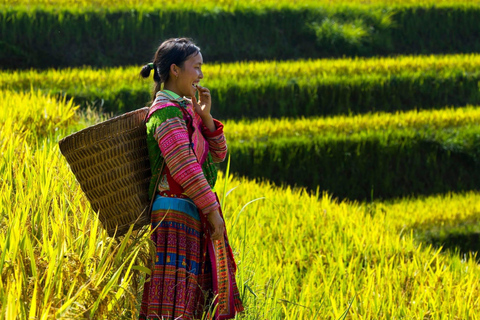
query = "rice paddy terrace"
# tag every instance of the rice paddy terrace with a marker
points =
(352, 190)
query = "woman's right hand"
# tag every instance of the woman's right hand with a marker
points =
(217, 225)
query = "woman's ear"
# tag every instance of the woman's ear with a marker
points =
(174, 69)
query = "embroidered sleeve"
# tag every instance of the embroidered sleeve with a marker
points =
(217, 143)
(174, 143)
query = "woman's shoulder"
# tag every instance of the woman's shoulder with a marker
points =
(166, 106)
(159, 113)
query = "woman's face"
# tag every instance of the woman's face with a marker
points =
(189, 75)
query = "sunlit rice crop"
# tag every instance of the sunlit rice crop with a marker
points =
(225, 4)
(268, 129)
(299, 256)
(54, 260)
(222, 74)
(280, 89)
(303, 257)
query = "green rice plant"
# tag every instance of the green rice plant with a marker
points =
(377, 155)
(44, 34)
(281, 89)
(333, 32)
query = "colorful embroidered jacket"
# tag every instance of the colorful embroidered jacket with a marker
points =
(189, 148)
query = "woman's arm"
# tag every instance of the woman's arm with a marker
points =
(174, 143)
(217, 143)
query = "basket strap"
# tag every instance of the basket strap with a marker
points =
(159, 106)
(147, 116)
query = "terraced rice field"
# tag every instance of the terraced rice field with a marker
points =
(352, 190)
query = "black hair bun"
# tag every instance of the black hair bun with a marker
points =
(146, 69)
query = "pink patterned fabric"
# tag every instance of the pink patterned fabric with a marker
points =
(217, 143)
(174, 143)
(200, 144)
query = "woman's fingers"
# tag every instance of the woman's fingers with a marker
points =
(216, 236)
(217, 225)
(217, 233)
(194, 101)
(203, 89)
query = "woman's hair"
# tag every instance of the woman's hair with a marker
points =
(171, 51)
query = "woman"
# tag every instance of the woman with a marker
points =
(194, 267)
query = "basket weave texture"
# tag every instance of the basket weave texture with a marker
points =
(110, 161)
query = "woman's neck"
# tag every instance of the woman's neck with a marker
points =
(171, 87)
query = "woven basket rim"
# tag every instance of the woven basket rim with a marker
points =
(102, 124)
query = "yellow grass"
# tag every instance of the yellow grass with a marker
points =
(228, 4)
(314, 126)
(245, 73)
(303, 256)
(54, 261)
(299, 256)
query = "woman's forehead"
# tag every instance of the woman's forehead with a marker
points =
(196, 58)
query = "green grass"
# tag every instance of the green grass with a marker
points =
(281, 89)
(102, 34)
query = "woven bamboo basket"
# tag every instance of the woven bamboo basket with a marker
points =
(110, 162)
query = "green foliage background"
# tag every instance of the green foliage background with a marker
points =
(67, 36)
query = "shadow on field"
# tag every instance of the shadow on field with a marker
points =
(461, 239)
